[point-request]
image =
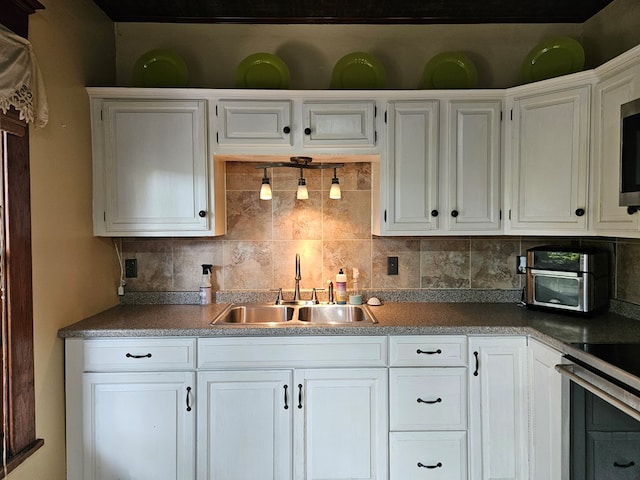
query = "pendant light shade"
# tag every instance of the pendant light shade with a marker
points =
(265, 189)
(335, 193)
(302, 193)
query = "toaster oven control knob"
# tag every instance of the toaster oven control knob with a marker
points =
(580, 212)
(434, 213)
(632, 210)
(454, 213)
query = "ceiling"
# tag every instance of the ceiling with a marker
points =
(352, 11)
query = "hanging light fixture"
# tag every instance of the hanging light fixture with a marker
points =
(302, 193)
(265, 189)
(335, 193)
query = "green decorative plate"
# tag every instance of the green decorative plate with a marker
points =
(160, 68)
(358, 70)
(552, 58)
(450, 70)
(262, 70)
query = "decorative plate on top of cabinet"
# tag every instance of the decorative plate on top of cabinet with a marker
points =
(450, 70)
(160, 68)
(552, 58)
(262, 70)
(358, 70)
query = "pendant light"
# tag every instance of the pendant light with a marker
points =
(302, 193)
(335, 193)
(265, 189)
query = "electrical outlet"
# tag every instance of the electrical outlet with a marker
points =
(131, 268)
(392, 265)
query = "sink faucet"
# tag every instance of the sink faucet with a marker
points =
(296, 291)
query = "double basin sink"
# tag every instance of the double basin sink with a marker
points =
(289, 314)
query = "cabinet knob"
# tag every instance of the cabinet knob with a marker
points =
(580, 212)
(307, 131)
(454, 213)
(286, 130)
(202, 213)
(632, 210)
(434, 213)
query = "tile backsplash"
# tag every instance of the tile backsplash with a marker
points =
(258, 251)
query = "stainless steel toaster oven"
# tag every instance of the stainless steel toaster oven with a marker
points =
(567, 278)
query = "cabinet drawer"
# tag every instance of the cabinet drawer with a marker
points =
(428, 398)
(428, 350)
(139, 354)
(428, 455)
(258, 352)
(614, 455)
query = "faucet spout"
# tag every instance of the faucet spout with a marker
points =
(296, 291)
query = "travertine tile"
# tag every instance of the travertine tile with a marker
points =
(155, 264)
(244, 176)
(310, 265)
(408, 252)
(297, 219)
(188, 257)
(444, 263)
(248, 217)
(349, 217)
(247, 265)
(493, 263)
(628, 268)
(347, 254)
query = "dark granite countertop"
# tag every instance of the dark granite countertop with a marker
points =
(395, 318)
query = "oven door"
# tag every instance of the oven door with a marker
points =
(562, 290)
(605, 426)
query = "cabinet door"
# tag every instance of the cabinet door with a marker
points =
(498, 408)
(549, 155)
(473, 166)
(254, 123)
(150, 168)
(339, 124)
(340, 424)
(609, 218)
(139, 425)
(244, 425)
(412, 168)
(548, 412)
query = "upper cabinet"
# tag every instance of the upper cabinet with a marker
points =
(548, 151)
(296, 126)
(441, 174)
(152, 173)
(618, 83)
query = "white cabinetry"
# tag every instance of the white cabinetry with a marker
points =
(428, 407)
(547, 170)
(320, 422)
(442, 170)
(151, 170)
(498, 408)
(130, 409)
(296, 126)
(549, 416)
(618, 83)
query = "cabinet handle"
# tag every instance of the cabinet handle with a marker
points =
(187, 399)
(130, 355)
(632, 210)
(475, 354)
(437, 465)
(624, 465)
(579, 212)
(299, 395)
(286, 130)
(432, 352)
(286, 398)
(202, 213)
(434, 213)
(307, 131)
(430, 402)
(454, 213)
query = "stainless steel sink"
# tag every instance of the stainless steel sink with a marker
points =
(335, 314)
(256, 314)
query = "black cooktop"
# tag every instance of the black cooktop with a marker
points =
(625, 356)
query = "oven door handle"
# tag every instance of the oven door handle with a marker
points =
(601, 387)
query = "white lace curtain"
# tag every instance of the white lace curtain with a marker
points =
(21, 84)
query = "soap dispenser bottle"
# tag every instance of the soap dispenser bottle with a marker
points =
(341, 288)
(206, 295)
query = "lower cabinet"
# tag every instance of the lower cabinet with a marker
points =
(324, 423)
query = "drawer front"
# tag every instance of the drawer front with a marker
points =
(428, 455)
(139, 354)
(428, 350)
(613, 455)
(287, 352)
(428, 398)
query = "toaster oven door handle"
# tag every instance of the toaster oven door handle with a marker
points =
(602, 388)
(556, 273)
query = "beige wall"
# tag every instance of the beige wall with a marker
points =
(73, 272)
(613, 31)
